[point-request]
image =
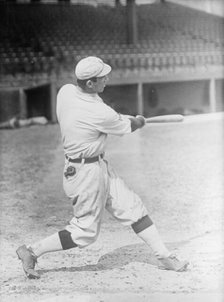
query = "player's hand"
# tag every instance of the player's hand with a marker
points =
(137, 122)
(141, 119)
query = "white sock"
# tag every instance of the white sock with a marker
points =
(152, 238)
(47, 245)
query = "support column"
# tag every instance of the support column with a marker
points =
(140, 101)
(23, 104)
(53, 96)
(117, 3)
(212, 95)
(132, 31)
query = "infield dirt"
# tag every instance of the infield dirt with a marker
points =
(178, 172)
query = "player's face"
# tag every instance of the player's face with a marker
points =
(100, 84)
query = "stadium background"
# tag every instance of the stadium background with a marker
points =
(166, 57)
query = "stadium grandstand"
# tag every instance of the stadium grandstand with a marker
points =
(166, 57)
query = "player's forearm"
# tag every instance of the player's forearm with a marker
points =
(137, 122)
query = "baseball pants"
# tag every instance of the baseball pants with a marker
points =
(92, 188)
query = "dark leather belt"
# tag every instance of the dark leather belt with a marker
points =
(87, 160)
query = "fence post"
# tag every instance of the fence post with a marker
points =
(23, 104)
(212, 95)
(53, 95)
(140, 103)
(132, 28)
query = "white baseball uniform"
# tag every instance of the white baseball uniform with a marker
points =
(85, 121)
(89, 181)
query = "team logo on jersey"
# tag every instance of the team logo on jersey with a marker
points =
(70, 171)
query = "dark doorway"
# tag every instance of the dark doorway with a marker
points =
(38, 101)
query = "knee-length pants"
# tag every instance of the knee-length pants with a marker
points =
(92, 188)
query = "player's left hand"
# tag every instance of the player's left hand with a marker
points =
(142, 119)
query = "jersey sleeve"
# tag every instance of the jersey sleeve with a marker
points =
(114, 123)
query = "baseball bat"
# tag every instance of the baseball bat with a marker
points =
(169, 118)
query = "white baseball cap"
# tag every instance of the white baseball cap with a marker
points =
(91, 67)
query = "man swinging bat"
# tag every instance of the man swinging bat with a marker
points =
(89, 180)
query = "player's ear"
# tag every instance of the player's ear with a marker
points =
(89, 84)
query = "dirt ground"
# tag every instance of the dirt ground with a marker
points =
(177, 170)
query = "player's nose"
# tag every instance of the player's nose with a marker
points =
(106, 78)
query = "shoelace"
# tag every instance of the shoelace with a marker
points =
(33, 255)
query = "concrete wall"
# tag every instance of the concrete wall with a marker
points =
(122, 98)
(9, 104)
(220, 94)
(36, 102)
(164, 98)
(181, 97)
(158, 98)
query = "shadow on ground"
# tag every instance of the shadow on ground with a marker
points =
(118, 258)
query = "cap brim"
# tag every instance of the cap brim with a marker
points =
(106, 70)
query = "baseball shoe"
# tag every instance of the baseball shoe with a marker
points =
(173, 264)
(28, 261)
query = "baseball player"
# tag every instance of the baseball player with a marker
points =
(89, 180)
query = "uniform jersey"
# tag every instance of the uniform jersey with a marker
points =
(85, 121)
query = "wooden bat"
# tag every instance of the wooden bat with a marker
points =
(169, 118)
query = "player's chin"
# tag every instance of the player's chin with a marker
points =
(101, 89)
